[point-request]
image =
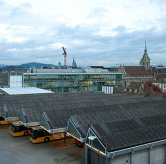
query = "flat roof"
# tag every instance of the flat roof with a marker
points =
(99, 73)
(24, 90)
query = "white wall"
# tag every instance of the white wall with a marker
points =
(157, 156)
(15, 81)
(107, 89)
(161, 86)
(164, 88)
(123, 159)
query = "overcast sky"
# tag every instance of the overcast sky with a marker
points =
(94, 32)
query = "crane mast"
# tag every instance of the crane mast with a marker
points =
(65, 54)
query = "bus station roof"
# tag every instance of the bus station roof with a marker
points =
(111, 113)
(61, 101)
(138, 126)
(128, 133)
(58, 118)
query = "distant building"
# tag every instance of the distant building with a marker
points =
(145, 61)
(88, 80)
(158, 70)
(4, 79)
(142, 88)
(68, 80)
(74, 65)
(137, 74)
(59, 65)
(160, 81)
(134, 74)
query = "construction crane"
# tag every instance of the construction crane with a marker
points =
(65, 54)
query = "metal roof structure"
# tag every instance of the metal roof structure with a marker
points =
(110, 113)
(45, 99)
(30, 107)
(11, 111)
(57, 119)
(132, 132)
(134, 127)
(61, 101)
(22, 90)
(27, 116)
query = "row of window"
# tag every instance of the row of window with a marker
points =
(72, 77)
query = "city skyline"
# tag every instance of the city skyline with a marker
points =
(98, 32)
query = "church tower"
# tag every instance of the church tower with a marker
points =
(74, 65)
(145, 61)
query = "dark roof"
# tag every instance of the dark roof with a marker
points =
(32, 114)
(111, 113)
(159, 70)
(135, 85)
(1, 110)
(120, 90)
(112, 69)
(139, 125)
(89, 107)
(13, 104)
(14, 109)
(97, 67)
(136, 71)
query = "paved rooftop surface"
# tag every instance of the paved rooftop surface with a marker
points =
(21, 151)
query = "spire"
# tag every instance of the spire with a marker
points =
(74, 65)
(59, 65)
(145, 51)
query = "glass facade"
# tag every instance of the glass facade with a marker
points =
(69, 82)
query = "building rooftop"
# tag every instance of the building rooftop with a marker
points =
(14, 103)
(136, 71)
(111, 113)
(137, 126)
(160, 78)
(135, 85)
(26, 90)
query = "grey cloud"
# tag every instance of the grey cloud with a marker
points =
(125, 47)
(21, 15)
(21, 10)
(120, 29)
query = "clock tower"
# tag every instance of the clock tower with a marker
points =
(145, 61)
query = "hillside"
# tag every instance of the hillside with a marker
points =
(36, 65)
